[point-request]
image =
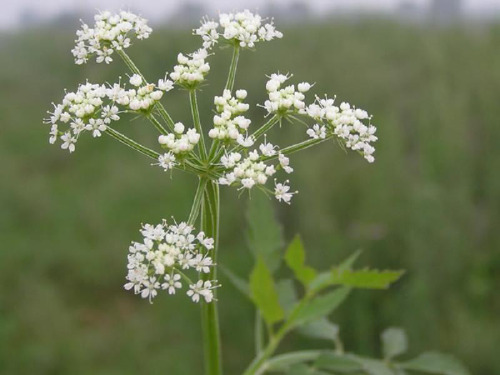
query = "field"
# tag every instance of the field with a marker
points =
(430, 204)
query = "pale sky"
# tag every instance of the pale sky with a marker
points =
(154, 9)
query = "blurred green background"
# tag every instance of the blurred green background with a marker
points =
(430, 204)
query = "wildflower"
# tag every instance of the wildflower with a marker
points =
(247, 28)
(68, 142)
(282, 192)
(229, 124)
(165, 249)
(171, 283)
(167, 161)
(285, 100)
(285, 163)
(110, 33)
(317, 132)
(191, 69)
(208, 32)
(136, 80)
(346, 123)
(201, 289)
(180, 142)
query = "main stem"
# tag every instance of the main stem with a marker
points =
(209, 314)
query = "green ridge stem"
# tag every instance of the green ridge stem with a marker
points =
(197, 123)
(232, 69)
(209, 314)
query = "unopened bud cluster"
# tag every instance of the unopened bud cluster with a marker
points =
(180, 141)
(165, 253)
(191, 69)
(229, 124)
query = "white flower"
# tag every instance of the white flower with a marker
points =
(110, 33)
(171, 283)
(285, 100)
(165, 84)
(267, 149)
(167, 161)
(317, 132)
(245, 28)
(96, 126)
(68, 142)
(201, 289)
(136, 80)
(282, 192)
(191, 69)
(304, 87)
(284, 162)
(163, 252)
(229, 124)
(208, 32)
(346, 123)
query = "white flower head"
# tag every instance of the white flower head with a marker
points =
(111, 32)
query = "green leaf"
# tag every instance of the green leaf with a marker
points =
(436, 363)
(321, 306)
(337, 362)
(320, 329)
(302, 369)
(372, 366)
(264, 294)
(264, 234)
(237, 281)
(349, 262)
(369, 279)
(283, 362)
(295, 257)
(286, 295)
(394, 342)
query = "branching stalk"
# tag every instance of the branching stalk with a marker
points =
(209, 314)
(197, 123)
(232, 69)
(132, 144)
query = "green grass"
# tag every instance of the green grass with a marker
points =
(430, 203)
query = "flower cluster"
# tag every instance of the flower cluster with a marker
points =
(253, 171)
(229, 124)
(346, 123)
(285, 100)
(165, 253)
(180, 142)
(142, 98)
(191, 69)
(244, 28)
(81, 111)
(111, 32)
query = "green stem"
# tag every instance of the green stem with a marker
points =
(157, 124)
(266, 127)
(232, 69)
(132, 144)
(297, 147)
(197, 123)
(198, 199)
(209, 314)
(283, 361)
(134, 69)
(259, 333)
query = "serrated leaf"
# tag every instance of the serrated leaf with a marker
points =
(264, 294)
(286, 295)
(321, 306)
(264, 236)
(349, 262)
(337, 362)
(372, 366)
(237, 281)
(320, 329)
(436, 363)
(369, 279)
(295, 258)
(394, 342)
